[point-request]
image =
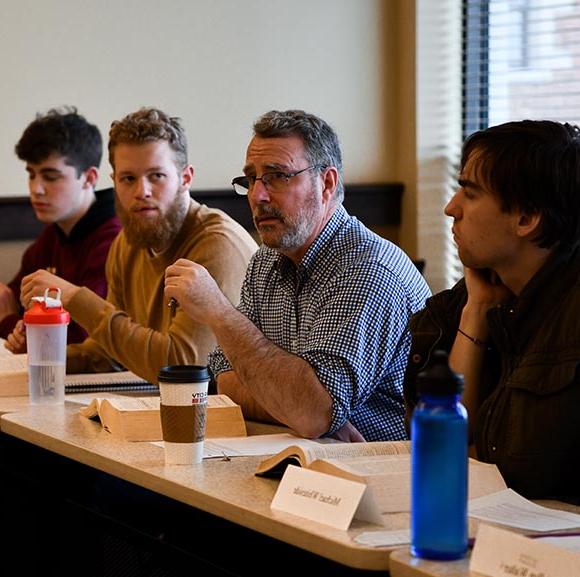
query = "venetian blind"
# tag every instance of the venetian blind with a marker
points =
(522, 61)
(439, 106)
(481, 63)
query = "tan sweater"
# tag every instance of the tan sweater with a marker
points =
(134, 327)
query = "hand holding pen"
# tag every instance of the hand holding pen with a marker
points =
(191, 285)
(172, 304)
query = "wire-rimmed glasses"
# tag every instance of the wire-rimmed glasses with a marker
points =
(275, 181)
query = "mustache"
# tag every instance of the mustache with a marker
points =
(263, 210)
(137, 206)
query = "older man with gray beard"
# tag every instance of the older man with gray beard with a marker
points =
(319, 341)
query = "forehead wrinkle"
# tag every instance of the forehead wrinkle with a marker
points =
(268, 167)
(276, 153)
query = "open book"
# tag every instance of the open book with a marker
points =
(14, 379)
(138, 418)
(384, 466)
(305, 454)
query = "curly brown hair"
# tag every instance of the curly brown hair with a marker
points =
(149, 125)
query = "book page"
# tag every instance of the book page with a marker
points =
(374, 465)
(95, 405)
(135, 403)
(308, 451)
(19, 363)
(254, 445)
(345, 451)
(4, 352)
(91, 410)
(484, 479)
(13, 363)
(389, 478)
(219, 401)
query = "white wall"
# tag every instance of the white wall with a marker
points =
(218, 64)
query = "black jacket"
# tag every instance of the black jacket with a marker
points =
(529, 420)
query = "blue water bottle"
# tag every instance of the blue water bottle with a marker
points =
(439, 440)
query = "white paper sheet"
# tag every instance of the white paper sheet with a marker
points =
(570, 542)
(384, 538)
(255, 445)
(509, 508)
(251, 446)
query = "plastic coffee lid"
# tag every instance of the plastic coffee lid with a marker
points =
(47, 310)
(183, 374)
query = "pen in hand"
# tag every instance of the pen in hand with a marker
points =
(172, 304)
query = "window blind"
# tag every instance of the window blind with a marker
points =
(521, 60)
(439, 136)
(481, 63)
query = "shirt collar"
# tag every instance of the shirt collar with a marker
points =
(559, 271)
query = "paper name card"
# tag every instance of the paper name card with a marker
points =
(501, 553)
(317, 496)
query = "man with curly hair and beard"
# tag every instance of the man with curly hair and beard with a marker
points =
(134, 328)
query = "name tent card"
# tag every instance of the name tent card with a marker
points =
(319, 497)
(501, 553)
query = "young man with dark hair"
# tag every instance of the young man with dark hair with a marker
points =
(62, 152)
(511, 325)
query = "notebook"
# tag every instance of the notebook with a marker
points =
(14, 380)
(117, 381)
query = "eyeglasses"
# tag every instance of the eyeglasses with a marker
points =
(273, 181)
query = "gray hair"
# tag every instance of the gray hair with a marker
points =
(320, 141)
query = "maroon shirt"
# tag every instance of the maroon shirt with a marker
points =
(79, 258)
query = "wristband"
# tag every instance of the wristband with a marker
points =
(477, 342)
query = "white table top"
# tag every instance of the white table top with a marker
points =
(228, 489)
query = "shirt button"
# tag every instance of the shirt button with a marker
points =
(493, 448)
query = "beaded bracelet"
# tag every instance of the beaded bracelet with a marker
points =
(477, 342)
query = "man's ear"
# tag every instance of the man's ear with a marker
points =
(528, 224)
(187, 176)
(91, 176)
(329, 182)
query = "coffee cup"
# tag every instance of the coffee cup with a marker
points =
(183, 393)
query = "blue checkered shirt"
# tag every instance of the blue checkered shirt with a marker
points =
(344, 309)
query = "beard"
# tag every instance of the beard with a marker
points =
(297, 228)
(155, 234)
